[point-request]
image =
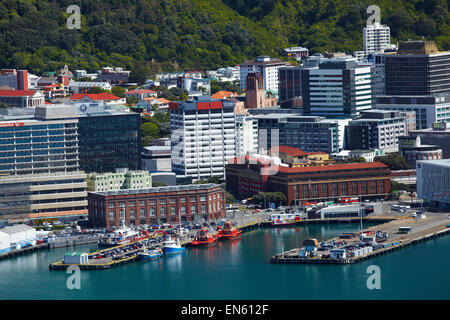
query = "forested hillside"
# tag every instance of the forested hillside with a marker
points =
(198, 34)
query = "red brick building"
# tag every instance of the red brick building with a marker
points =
(157, 205)
(248, 176)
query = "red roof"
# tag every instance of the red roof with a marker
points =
(141, 91)
(94, 96)
(334, 167)
(290, 151)
(294, 152)
(16, 93)
(331, 167)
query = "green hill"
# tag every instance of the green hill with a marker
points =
(198, 34)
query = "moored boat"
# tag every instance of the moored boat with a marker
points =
(228, 232)
(123, 235)
(203, 239)
(170, 246)
(287, 219)
(150, 254)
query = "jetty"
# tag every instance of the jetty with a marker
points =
(351, 248)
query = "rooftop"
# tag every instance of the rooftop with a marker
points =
(192, 187)
(94, 96)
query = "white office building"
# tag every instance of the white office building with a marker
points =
(376, 38)
(433, 181)
(337, 87)
(202, 136)
(246, 135)
(268, 68)
(428, 109)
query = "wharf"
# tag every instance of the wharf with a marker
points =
(18, 252)
(105, 263)
(422, 230)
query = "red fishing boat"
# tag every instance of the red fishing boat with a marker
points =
(203, 239)
(229, 232)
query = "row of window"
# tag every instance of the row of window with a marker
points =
(163, 211)
(132, 203)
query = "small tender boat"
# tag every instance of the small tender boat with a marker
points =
(150, 254)
(170, 246)
(287, 219)
(203, 239)
(229, 232)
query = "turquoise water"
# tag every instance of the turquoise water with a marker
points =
(239, 270)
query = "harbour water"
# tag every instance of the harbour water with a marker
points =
(239, 269)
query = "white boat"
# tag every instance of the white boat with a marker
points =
(120, 236)
(150, 254)
(170, 246)
(284, 219)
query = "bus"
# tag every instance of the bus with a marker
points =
(348, 200)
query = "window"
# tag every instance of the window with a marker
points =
(162, 211)
(193, 209)
(344, 189)
(152, 202)
(121, 204)
(183, 200)
(142, 212)
(173, 200)
(111, 205)
(131, 213)
(214, 206)
(193, 199)
(152, 212)
(373, 187)
(334, 189)
(324, 189)
(314, 191)
(202, 198)
(203, 208)
(131, 203)
(173, 211)
(305, 191)
(122, 214)
(183, 210)
(162, 201)
(354, 187)
(363, 187)
(112, 215)
(142, 202)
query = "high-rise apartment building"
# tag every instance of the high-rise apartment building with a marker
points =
(376, 38)
(202, 136)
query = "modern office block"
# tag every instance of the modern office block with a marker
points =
(203, 136)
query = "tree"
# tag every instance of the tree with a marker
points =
(158, 184)
(394, 161)
(97, 90)
(230, 199)
(118, 91)
(149, 129)
(139, 73)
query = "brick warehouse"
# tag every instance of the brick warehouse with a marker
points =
(157, 205)
(247, 176)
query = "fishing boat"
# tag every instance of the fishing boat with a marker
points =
(150, 254)
(287, 219)
(203, 239)
(228, 232)
(170, 246)
(123, 235)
